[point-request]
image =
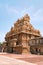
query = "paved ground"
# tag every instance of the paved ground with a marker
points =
(24, 59)
(4, 60)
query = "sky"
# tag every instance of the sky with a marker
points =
(11, 10)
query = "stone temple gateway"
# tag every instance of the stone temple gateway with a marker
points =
(18, 37)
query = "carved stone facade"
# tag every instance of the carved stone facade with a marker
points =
(36, 45)
(19, 35)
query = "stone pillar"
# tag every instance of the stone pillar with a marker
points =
(13, 41)
(12, 45)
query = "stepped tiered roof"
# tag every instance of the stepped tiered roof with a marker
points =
(23, 25)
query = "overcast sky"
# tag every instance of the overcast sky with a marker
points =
(11, 10)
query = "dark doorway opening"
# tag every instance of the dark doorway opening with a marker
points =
(17, 43)
(36, 50)
(12, 49)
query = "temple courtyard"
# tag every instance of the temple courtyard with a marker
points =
(20, 59)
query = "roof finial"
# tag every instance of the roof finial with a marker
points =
(27, 17)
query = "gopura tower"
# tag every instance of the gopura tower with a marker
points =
(18, 37)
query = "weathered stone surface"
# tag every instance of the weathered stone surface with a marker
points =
(22, 31)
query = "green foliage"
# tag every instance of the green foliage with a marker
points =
(0, 44)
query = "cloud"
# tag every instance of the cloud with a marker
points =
(38, 15)
(28, 10)
(35, 15)
(2, 35)
(37, 20)
(11, 10)
(18, 12)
